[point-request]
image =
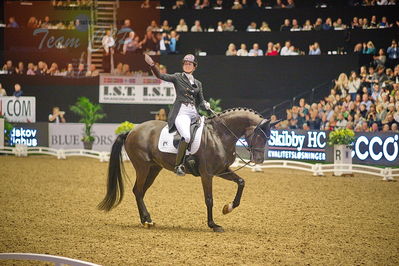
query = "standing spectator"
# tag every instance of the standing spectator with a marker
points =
(369, 48)
(286, 26)
(164, 44)
(18, 91)
(243, 50)
(255, 51)
(229, 25)
(57, 116)
(81, 71)
(93, 72)
(127, 26)
(150, 42)
(174, 37)
(285, 50)
(108, 43)
(182, 27)
(353, 85)
(231, 50)
(12, 23)
(393, 54)
(380, 59)
(196, 27)
(2, 91)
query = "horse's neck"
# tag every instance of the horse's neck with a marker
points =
(236, 122)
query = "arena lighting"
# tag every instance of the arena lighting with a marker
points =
(378, 143)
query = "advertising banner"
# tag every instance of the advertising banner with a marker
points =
(18, 109)
(135, 90)
(69, 136)
(30, 134)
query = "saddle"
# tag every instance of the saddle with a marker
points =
(193, 129)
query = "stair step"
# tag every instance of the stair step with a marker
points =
(106, 2)
(105, 13)
(106, 8)
(97, 54)
(94, 60)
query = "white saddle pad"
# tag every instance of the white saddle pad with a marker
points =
(165, 143)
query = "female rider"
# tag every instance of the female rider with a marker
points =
(189, 98)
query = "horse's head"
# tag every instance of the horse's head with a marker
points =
(258, 138)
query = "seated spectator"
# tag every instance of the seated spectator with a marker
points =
(365, 101)
(9, 68)
(265, 27)
(218, 5)
(57, 116)
(12, 23)
(255, 51)
(258, 4)
(70, 71)
(394, 128)
(290, 4)
(318, 26)
(229, 25)
(46, 24)
(243, 50)
(81, 71)
(20, 70)
(18, 91)
(31, 70)
(355, 23)
(341, 121)
(314, 49)
(369, 48)
(92, 72)
(165, 26)
(307, 26)
(204, 4)
(161, 115)
(295, 26)
(220, 26)
(180, 4)
(53, 71)
(338, 25)
(119, 69)
(32, 23)
(328, 25)
(285, 50)
(365, 24)
(127, 26)
(146, 4)
(237, 5)
(126, 70)
(182, 27)
(373, 23)
(393, 50)
(231, 50)
(270, 49)
(286, 26)
(153, 26)
(279, 4)
(149, 43)
(196, 27)
(384, 23)
(252, 26)
(2, 91)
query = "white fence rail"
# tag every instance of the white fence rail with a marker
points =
(57, 260)
(386, 173)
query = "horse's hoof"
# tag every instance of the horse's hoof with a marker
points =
(227, 208)
(148, 225)
(218, 229)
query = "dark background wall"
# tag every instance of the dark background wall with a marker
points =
(258, 83)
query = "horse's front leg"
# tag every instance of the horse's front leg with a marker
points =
(207, 186)
(240, 183)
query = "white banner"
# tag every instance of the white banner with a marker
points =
(1, 132)
(135, 90)
(18, 109)
(69, 136)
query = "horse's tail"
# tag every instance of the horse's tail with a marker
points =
(116, 173)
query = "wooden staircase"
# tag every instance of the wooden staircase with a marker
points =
(103, 17)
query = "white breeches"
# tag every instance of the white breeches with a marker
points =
(186, 115)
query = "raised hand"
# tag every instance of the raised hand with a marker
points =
(149, 60)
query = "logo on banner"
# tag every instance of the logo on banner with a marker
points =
(286, 144)
(18, 109)
(24, 136)
(376, 148)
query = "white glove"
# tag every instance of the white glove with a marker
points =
(149, 60)
(207, 105)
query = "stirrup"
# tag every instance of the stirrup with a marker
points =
(180, 170)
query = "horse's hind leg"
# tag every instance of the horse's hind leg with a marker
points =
(145, 176)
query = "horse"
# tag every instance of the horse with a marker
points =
(214, 158)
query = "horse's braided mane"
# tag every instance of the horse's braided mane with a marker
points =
(227, 111)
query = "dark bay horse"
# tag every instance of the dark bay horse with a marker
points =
(214, 157)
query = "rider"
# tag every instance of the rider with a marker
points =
(189, 98)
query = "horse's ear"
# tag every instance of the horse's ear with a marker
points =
(274, 123)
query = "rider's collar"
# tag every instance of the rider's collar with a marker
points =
(190, 77)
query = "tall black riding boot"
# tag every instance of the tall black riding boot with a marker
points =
(181, 152)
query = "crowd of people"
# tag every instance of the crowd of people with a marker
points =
(272, 49)
(46, 23)
(42, 69)
(365, 101)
